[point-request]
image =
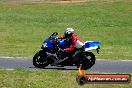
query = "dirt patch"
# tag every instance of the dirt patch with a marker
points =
(129, 0)
(56, 1)
(71, 1)
(43, 1)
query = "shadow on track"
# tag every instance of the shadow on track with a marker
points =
(57, 68)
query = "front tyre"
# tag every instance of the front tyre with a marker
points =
(40, 59)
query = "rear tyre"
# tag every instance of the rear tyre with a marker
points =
(87, 61)
(40, 59)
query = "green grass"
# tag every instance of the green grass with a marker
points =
(47, 79)
(23, 27)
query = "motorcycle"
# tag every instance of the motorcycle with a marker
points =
(52, 53)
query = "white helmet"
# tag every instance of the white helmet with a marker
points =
(69, 32)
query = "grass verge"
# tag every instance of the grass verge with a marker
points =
(23, 27)
(47, 79)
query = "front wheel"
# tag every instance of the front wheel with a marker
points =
(39, 59)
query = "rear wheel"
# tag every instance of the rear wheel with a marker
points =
(40, 59)
(87, 61)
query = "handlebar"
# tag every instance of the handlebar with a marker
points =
(61, 50)
(54, 34)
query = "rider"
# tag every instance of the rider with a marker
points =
(73, 40)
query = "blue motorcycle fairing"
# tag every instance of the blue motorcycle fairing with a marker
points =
(63, 44)
(49, 43)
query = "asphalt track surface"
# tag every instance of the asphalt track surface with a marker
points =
(107, 66)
